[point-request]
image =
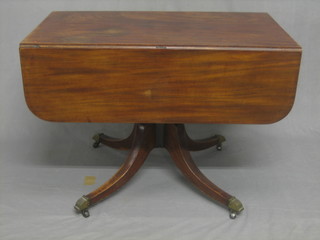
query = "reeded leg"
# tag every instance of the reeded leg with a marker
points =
(121, 144)
(143, 142)
(183, 160)
(197, 145)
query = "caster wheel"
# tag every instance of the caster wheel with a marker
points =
(235, 207)
(96, 144)
(233, 215)
(85, 213)
(221, 139)
(96, 138)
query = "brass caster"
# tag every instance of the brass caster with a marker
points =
(232, 215)
(82, 205)
(85, 213)
(221, 139)
(235, 207)
(96, 138)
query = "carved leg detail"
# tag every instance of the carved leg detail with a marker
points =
(197, 145)
(143, 142)
(121, 144)
(183, 160)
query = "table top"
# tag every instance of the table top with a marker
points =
(170, 29)
(160, 67)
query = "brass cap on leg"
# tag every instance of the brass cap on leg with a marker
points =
(82, 204)
(235, 207)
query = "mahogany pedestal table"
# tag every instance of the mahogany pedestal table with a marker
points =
(160, 70)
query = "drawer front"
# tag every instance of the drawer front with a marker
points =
(159, 85)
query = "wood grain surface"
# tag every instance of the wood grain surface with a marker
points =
(143, 142)
(149, 29)
(182, 158)
(162, 68)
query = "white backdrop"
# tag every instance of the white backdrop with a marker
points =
(272, 169)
